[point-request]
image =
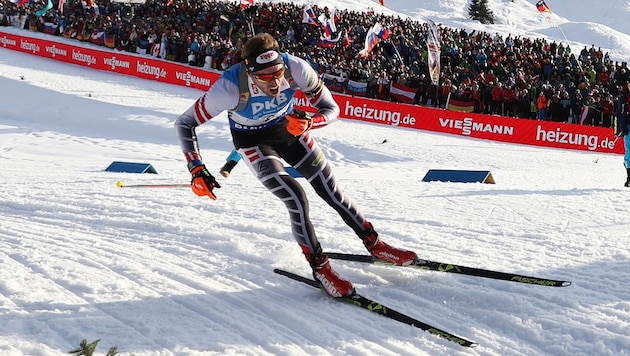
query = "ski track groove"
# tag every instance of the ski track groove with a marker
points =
(98, 252)
(99, 248)
(91, 259)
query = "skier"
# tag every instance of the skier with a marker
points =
(258, 96)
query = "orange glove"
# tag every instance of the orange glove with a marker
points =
(203, 182)
(299, 122)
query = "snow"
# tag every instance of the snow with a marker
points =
(159, 271)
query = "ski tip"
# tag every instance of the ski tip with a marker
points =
(566, 284)
(473, 344)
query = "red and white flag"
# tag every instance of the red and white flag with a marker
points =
(246, 3)
(402, 93)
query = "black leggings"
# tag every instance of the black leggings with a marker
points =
(263, 151)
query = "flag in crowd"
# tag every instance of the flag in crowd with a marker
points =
(356, 88)
(347, 41)
(156, 48)
(143, 46)
(45, 9)
(402, 93)
(328, 24)
(460, 103)
(545, 16)
(246, 3)
(329, 42)
(380, 31)
(334, 82)
(70, 33)
(380, 2)
(542, 6)
(97, 37)
(309, 15)
(20, 2)
(50, 28)
(433, 49)
(110, 40)
(373, 36)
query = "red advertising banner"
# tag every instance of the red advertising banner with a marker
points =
(523, 131)
(489, 127)
(109, 60)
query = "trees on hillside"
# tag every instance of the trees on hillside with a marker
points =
(479, 11)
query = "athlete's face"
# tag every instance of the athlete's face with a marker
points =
(269, 79)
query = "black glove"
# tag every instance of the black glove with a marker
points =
(203, 182)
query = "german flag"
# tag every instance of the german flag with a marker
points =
(456, 103)
(542, 6)
(110, 40)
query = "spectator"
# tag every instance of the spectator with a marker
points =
(518, 62)
(496, 104)
(607, 111)
(541, 106)
(556, 111)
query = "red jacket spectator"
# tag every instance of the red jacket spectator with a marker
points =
(602, 77)
(509, 95)
(497, 93)
(542, 102)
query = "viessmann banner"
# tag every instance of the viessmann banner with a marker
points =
(496, 128)
(489, 127)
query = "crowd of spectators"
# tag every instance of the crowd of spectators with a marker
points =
(505, 75)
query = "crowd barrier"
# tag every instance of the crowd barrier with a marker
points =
(481, 126)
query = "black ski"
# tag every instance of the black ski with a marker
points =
(378, 308)
(453, 268)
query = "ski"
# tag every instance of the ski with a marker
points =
(378, 308)
(453, 268)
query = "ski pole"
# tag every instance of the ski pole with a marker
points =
(120, 184)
